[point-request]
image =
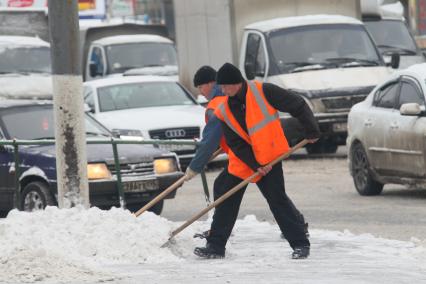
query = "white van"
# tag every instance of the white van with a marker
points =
(330, 60)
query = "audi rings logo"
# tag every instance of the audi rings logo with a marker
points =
(175, 133)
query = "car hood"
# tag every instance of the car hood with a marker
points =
(339, 78)
(150, 118)
(103, 152)
(26, 86)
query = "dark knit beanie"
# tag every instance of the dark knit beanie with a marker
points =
(228, 74)
(204, 75)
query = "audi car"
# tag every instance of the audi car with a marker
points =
(157, 106)
(145, 171)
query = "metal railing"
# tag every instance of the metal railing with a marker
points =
(113, 141)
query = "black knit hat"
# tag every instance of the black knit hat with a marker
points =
(228, 74)
(204, 75)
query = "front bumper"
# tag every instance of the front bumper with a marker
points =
(137, 190)
(333, 127)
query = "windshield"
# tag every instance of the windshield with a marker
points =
(122, 57)
(140, 95)
(36, 122)
(322, 46)
(391, 36)
(24, 59)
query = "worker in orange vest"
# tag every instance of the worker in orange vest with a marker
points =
(253, 132)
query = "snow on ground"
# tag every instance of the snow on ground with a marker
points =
(94, 246)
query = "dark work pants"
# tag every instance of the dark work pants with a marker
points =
(288, 218)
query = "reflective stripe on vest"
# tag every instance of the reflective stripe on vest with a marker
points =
(224, 115)
(267, 118)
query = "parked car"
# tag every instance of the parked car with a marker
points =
(157, 106)
(387, 133)
(146, 171)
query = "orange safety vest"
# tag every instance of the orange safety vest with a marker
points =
(265, 134)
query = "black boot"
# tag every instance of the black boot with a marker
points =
(209, 252)
(300, 252)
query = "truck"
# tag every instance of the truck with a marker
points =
(387, 25)
(330, 60)
(112, 49)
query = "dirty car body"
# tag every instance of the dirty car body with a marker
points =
(146, 171)
(387, 133)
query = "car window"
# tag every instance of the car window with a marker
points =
(37, 122)
(410, 94)
(89, 98)
(142, 94)
(97, 59)
(385, 97)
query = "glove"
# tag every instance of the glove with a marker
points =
(189, 174)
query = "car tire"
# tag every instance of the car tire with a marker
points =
(156, 209)
(36, 196)
(321, 147)
(361, 174)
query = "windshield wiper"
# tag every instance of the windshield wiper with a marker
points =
(347, 61)
(302, 66)
(27, 71)
(96, 133)
(403, 50)
(44, 138)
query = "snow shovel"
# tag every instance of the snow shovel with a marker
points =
(174, 186)
(231, 192)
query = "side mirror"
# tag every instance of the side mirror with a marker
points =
(249, 69)
(410, 109)
(393, 61)
(93, 70)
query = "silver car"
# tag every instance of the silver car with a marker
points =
(387, 132)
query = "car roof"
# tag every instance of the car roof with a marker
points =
(8, 103)
(280, 23)
(127, 79)
(120, 39)
(23, 40)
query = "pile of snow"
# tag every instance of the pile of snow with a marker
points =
(86, 246)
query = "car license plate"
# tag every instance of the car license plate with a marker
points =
(176, 147)
(340, 127)
(140, 185)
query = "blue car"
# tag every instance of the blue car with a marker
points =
(146, 171)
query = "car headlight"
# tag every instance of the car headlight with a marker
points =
(98, 171)
(164, 166)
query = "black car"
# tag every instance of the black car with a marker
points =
(146, 171)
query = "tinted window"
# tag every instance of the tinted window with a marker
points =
(122, 57)
(410, 94)
(260, 61)
(139, 95)
(391, 35)
(37, 122)
(15, 59)
(97, 58)
(386, 97)
(253, 43)
(329, 45)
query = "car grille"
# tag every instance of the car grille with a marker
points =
(175, 133)
(342, 103)
(146, 168)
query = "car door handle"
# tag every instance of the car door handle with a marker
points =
(368, 122)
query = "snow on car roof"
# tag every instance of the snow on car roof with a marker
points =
(132, 38)
(127, 79)
(416, 70)
(22, 40)
(7, 103)
(279, 23)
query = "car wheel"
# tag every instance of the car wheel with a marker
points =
(156, 209)
(360, 167)
(321, 147)
(36, 196)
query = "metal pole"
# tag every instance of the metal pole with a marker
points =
(118, 171)
(71, 158)
(17, 174)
